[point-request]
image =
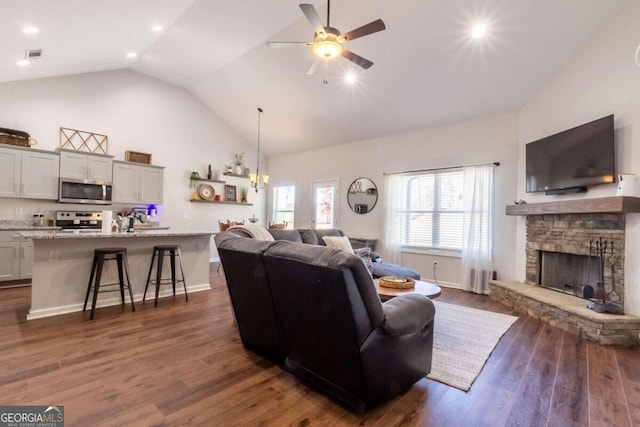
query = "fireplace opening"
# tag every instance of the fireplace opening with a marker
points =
(569, 273)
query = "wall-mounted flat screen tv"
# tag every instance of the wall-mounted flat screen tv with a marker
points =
(572, 160)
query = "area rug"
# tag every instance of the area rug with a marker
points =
(463, 341)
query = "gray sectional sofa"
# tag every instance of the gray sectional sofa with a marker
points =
(314, 311)
(314, 237)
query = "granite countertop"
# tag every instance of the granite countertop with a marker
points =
(58, 234)
(10, 224)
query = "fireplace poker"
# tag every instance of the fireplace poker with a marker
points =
(589, 261)
(613, 295)
(587, 290)
(600, 293)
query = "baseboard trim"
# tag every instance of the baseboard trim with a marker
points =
(106, 302)
(443, 284)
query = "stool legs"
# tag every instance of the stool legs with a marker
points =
(96, 286)
(184, 283)
(153, 258)
(173, 271)
(159, 275)
(95, 277)
(159, 252)
(93, 271)
(126, 273)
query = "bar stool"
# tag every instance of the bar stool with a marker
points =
(99, 257)
(161, 251)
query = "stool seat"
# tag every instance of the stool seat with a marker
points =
(110, 251)
(166, 247)
(160, 251)
(101, 255)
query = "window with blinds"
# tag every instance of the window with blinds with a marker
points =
(284, 202)
(432, 215)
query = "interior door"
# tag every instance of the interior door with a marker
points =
(325, 204)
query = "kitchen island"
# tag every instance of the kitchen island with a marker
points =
(62, 263)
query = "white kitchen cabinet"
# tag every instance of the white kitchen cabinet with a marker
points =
(136, 183)
(86, 166)
(29, 173)
(16, 257)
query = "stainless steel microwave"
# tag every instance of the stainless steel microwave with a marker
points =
(80, 191)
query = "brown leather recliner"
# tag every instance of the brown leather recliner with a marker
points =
(320, 306)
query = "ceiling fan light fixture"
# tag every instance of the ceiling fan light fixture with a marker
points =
(327, 48)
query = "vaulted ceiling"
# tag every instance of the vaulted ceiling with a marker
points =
(427, 69)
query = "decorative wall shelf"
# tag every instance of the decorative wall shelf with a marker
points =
(222, 202)
(614, 204)
(236, 175)
(217, 181)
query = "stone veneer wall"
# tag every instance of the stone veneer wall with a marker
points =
(568, 313)
(571, 233)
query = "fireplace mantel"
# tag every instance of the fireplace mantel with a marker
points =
(614, 204)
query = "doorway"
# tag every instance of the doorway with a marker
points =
(325, 204)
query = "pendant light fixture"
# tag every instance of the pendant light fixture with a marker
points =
(256, 181)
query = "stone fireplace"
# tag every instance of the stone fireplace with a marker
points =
(564, 248)
(570, 273)
(561, 255)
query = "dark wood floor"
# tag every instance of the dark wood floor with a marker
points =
(183, 364)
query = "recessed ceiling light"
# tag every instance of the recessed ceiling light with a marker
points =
(350, 78)
(23, 63)
(30, 30)
(132, 55)
(157, 28)
(479, 30)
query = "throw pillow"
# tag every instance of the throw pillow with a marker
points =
(365, 256)
(341, 243)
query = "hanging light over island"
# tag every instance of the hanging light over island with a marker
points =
(256, 181)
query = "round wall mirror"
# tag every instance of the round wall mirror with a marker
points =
(362, 195)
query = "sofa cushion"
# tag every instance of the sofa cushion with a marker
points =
(333, 258)
(309, 236)
(326, 232)
(289, 235)
(381, 269)
(338, 242)
(365, 256)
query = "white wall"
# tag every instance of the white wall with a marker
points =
(137, 113)
(485, 140)
(601, 80)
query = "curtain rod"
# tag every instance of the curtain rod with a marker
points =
(439, 169)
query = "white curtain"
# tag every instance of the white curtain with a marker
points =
(477, 252)
(393, 219)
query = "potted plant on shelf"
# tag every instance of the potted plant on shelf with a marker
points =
(239, 168)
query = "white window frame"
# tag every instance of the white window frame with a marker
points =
(436, 212)
(275, 211)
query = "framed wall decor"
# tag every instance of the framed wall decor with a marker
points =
(230, 193)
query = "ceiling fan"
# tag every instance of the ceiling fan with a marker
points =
(328, 41)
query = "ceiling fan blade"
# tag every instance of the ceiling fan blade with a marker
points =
(357, 59)
(313, 18)
(313, 67)
(289, 44)
(365, 30)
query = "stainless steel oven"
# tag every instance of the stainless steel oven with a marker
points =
(90, 192)
(79, 220)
